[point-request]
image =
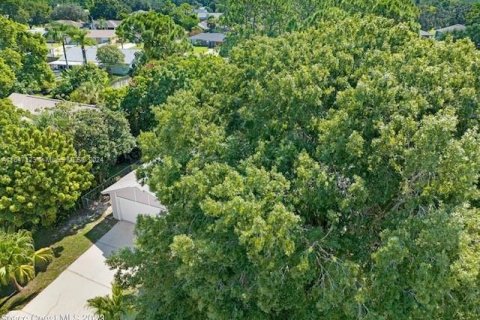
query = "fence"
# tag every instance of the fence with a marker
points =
(94, 194)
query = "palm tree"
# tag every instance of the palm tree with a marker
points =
(18, 258)
(113, 307)
(59, 32)
(79, 36)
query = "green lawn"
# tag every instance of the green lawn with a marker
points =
(67, 248)
(200, 50)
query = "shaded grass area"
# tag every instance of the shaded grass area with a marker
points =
(68, 244)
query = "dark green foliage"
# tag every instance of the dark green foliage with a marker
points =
(69, 12)
(109, 9)
(31, 12)
(103, 134)
(158, 80)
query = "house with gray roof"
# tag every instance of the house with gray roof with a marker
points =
(102, 36)
(75, 58)
(203, 14)
(210, 40)
(37, 104)
(453, 28)
(108, 24)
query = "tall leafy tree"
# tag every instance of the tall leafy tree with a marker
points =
(158, 33)
(81, 84)
(110, 55)
(69, 11)
(41, 174)
(108, 9)
(25, 54)
(32, 12)
(102, 133)
(328, 174)
(157, 81)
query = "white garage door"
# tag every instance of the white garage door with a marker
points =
(130, 210)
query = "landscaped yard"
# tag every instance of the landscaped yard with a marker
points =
(68, 241)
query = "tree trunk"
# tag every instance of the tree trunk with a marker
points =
(84, 54)
(16, 285)
(65, 52)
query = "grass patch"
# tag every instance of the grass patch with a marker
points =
(200, 50)
(67, 248)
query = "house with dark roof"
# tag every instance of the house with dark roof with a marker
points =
(37, 104)
(210, 40)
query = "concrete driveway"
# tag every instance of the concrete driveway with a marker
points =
(88, 277)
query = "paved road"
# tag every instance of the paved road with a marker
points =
(87, 277)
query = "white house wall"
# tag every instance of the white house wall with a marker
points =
(129, 210)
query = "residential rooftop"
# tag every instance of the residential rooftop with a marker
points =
(37, 104)
(75, 56)
(209, 37)
(453, 28)
(101, 34)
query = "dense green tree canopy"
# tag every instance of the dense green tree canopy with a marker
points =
(110, 55)
(69, 12)
(158, 80)
(41, 174)
(32, 12)
(325, 174)
(109, 9)
(435, 14)
(272, 18)
(103, 134)
(160, 35)
(23, 60)
(81, 84)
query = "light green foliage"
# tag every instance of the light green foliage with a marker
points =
(41, 174)
(158, 80)
(23, 60)
(110, 55)
(82, 84)
(324, 174)
(114, 307)
(103, 134)
(158, 33)
(18, 258)
(272, 18)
